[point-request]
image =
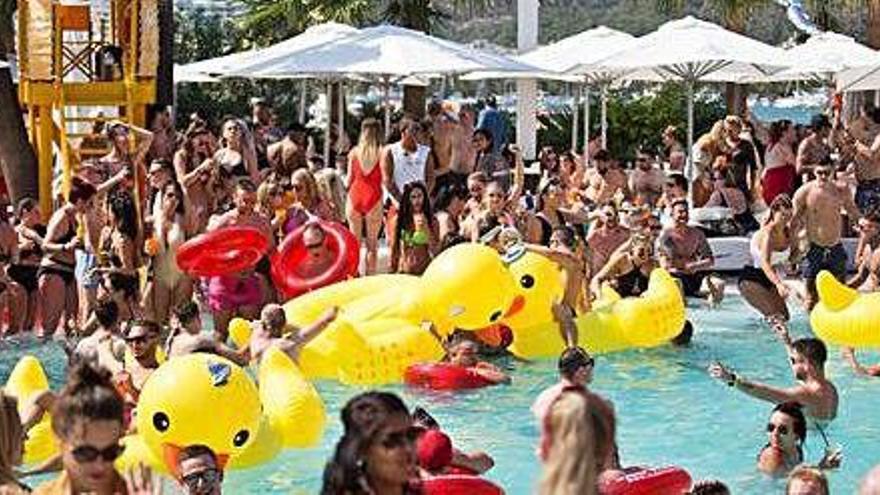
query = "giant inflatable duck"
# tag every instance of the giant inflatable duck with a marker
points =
(27, 381)
(614, 323)
(843, 316)
(381, 327)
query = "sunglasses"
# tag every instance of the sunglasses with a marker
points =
(317, 245)
(88, 453)
(198, 480)
(782, 429)
(142, 339)
(399, 439)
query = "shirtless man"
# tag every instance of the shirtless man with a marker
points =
(141, 339)
(467, 155)
(606, 237)
(686, 255)
(319, 258)
(186, 337)
(817, 207)
(563, 251)
(863, 145)
(646, 181)
(606, 179)
(273, 331)
(105, 336)
(814, 150)
(444, 146)
(815, 392)
(867, 256)
(289, 154)
(463, 352)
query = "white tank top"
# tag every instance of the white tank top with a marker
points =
(776, 257)
(409, 166)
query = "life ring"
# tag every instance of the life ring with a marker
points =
(667, 480)
(459, 484)
(340, 241)
(443, 376)
(222, 252)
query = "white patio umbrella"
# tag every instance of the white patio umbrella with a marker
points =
(563, 60)
(866, 78)
(692, 50)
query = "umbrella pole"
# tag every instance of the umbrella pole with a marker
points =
(304, 88)
(689, 170)
(387, 105)
(575, 117)
(587, 124)
(329, 114)
(341, 110)
(604, 116)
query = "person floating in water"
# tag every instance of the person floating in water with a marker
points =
(273, 331)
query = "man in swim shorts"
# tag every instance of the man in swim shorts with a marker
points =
(807, 359)
(686, 255)
(273, 330)
(817, 206)
(463, 352)
(862, 145)
(814, 149)
(575, 371)
(198, 472)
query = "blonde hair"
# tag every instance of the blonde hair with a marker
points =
(264, 197)
(332, 190)
(309, 196)
(10, 436)
(807, 473)
(571, 464)
(369, 147)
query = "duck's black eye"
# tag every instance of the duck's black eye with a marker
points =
(495, 316)
(241, 438)
(161, 421)
(527, 281)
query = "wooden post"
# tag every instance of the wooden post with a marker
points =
(44, 149)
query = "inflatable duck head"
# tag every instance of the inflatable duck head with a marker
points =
(26, 380)
(539, 282)
(843, 316)
(469, 287)
(198, 399)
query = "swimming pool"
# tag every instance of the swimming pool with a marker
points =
(669, 411)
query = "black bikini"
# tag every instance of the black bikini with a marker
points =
(62, 269)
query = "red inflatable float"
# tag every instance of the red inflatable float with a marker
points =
(459, 484)
(339, 240)
(443, 376)
(649, 481)
(222, 252)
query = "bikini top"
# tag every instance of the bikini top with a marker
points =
(417, 238)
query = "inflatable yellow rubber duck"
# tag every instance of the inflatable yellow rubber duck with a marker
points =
(614, 324)
(26, 381)
(198, 399)
(380, 331)
(843, 316)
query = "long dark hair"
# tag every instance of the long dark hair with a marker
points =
(447, 193)
(122, 206)
(777, 130)
(799, 422)
(362, 419)
(88, 395)
(405, 217)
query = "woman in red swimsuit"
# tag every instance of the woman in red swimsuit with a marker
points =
(364, 204)
(779, 172)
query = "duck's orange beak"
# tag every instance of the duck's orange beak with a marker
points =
(519, 302)
(499, 336)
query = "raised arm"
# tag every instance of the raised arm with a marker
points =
(308, 333)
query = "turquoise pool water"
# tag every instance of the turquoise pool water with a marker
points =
(669, 411)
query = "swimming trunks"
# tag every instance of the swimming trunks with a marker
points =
(227, 293)
(868, 195)
(65, 273)
(85, 263)
(365, 190)
(818, 258)
(632, 283)
(690, 282)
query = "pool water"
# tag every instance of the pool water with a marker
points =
(669, 411)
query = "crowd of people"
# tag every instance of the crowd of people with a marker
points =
(102, 273)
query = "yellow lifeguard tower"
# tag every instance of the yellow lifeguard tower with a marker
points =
(75, 54)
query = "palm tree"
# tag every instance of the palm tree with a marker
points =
(17, 157)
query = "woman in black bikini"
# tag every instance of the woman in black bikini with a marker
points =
(629, 270)
(236, 154)
(118, 259)
(57, 284)
(24, 271)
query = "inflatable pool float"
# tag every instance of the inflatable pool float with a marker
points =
(340, 241)
(443, 376)
(26, 381)
(650, 481)
(614, 323)
(843, 316)
(222, 252)
(247, 426)
(382, 324)
(459, 484)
